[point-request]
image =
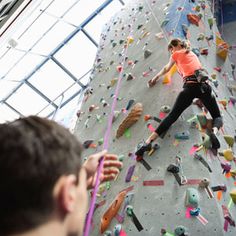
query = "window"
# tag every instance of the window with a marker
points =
(7, 114)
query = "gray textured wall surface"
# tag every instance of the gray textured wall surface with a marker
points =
(156, 207)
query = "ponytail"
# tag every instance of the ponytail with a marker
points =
(184, 44)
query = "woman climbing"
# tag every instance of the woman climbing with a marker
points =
(195, 86)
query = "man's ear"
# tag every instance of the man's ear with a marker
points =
(65, 193)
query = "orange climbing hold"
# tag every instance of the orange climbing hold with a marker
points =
(193, 19)
(112, 211)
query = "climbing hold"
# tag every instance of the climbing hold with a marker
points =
(228, 154)
(229, 140)
(193, 19)
(130, 213)
(164, 23)
(233, 195)
(192, 198)
(204, 51)
(165, 109)
(132, 118)
(201, 36)
(115, 116)
(185, 30)
(155, 147)
(130, 77)
(168, 76)
(182, 135)
(121, 41)
(114, 44)
(196, 51)
(117, 230)
(129, 173)
(195, 212)
(202, 120)
(226, 166)
(227, 215)
(206, 141)
(219, 188)
(130, 103)
(112, 83)
(87, 143)
(112, 211)
(139, 27)
(233, 173)
(119, 68)
(224, 102)
(232, 100)
(159, 35)
(130, 39)
(172, 168)
(181, 231)
(205, 184)
(203, 161)
(108, 233)
(218, 69)
(92, 107)
(210, 22)
(100, 141)
(222, 48)
(147, 53)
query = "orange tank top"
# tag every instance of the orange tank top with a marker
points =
(186, 63)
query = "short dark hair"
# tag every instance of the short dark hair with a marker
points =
(34, 153)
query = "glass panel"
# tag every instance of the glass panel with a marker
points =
(7, 114)
(82, 10)
(77, 55)
(46, 111)
(27, 101)
(71, 91)
(9, 59)
(94, 28)
(36, 30)
(85, 80)
(67, 114)
(24, 67)
(55, 36)
(58, 8)
(51, 79)
(6, 87)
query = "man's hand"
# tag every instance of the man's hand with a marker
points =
(110, 168)
(152, 82)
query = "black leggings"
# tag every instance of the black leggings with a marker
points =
(184, 100)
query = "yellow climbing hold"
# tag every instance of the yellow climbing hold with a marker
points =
(130, 39)
(233, 195)
(167, 77)
(228, 154)
(222, 47)
(229, 140)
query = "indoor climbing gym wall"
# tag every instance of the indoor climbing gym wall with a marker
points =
(179, 187)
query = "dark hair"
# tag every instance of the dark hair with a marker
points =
(34, 153)
(175, 42)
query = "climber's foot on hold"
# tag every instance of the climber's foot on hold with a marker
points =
(214, 141)
(215, 144)
(143, 147)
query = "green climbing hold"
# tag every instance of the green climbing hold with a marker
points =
(202, 119)
(100, 141)
(192, 197)
(129, 210)
(229, 140)
(180, 231)
(206, 141)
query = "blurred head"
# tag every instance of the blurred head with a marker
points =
(40, 178)
(177, 44)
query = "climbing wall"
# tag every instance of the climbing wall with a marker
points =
(132, 49)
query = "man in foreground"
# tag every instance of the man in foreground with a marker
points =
(43, 181)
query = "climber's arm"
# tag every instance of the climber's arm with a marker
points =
(163, 71)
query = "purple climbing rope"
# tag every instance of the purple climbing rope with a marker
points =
(105, 145)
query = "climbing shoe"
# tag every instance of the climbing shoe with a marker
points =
(215, 144)
(143, 147)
